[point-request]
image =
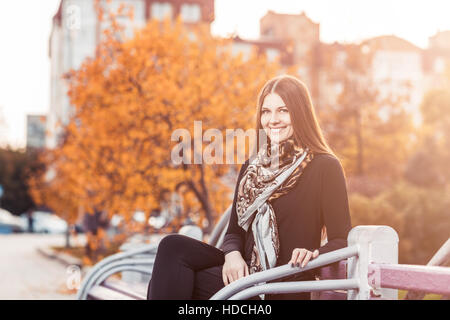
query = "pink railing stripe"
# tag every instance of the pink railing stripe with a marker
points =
(410, 277)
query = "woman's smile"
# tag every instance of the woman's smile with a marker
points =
(275, 118)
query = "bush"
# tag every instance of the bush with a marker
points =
(420, 216)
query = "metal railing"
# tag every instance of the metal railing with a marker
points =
(372, 269)
(235, 289)
(138, 260)
(440, 259)
(410, 277)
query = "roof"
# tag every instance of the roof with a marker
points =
(390, 43)
(301, 15)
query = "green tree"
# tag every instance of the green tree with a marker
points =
(419, 215)
(15, 168)
(371, 132)
(428, 167)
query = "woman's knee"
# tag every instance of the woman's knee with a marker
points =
(172, 243)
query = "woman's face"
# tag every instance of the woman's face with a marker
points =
(275, 118)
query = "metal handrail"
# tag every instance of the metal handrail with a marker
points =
(121, 268)
(125, 262)
(92, 274)
(283, 271)
(440, 258)
(430, 279)
(98, 277)
(295, 287)
(216, 234)
(97, 272)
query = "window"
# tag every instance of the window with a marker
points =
(268, 32)
(272, 54)
(191, 12)
(439, 65)
(161, 10)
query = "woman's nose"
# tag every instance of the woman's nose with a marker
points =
(274, 118)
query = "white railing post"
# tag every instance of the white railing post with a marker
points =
(377, 244)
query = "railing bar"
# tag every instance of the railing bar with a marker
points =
(285, 270)
(117, 269)
(296, 286)
(92, 278)
(149, 249)
(429, 279)
(218, 230)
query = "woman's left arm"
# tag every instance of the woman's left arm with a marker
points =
(334, 205)
(335, 212)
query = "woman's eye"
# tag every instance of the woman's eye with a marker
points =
(265, 111)
(284, 110)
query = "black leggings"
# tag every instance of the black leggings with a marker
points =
(185, 269)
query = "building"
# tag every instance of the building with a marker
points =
(332, 60)
(398, 68)
(301, 38)
(36, 131)
(274, 49)
(437, 61)
(76, 32)
(397, 71)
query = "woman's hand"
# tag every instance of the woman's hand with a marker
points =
(234, 267)
(302, 257)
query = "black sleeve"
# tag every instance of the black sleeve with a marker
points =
(335, 208)
(235, 235)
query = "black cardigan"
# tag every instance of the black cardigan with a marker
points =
(319, 198)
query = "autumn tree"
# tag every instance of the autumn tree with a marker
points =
(129, 100)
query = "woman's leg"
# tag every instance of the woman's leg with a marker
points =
(177, 260)
(207, 282)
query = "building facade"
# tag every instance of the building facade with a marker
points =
(301, 37)
(76, 32)
(36, 131)
(397, 71)
(437, 61)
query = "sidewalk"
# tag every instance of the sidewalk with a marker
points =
(61, 257)
(27, 274)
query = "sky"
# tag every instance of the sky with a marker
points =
(25, 27)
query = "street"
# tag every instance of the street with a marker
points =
(27, 274)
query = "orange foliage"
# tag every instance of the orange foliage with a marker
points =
(128, 99)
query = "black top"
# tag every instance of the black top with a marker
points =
(319, 198)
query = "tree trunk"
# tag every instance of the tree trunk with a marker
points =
(359, 144)
(202, 194)
(68, 237)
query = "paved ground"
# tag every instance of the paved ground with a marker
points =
(27, 274)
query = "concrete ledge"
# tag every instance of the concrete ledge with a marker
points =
(61, 257)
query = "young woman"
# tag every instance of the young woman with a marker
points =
(285, 198)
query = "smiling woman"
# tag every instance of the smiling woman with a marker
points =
(279, 212)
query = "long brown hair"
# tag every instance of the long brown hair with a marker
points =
(295, 94)
(307, 131)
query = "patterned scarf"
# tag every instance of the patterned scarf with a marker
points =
(271, 173)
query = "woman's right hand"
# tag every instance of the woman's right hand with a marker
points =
(234, 267)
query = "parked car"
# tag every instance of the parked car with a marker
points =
(46, 222)
(10, 223)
